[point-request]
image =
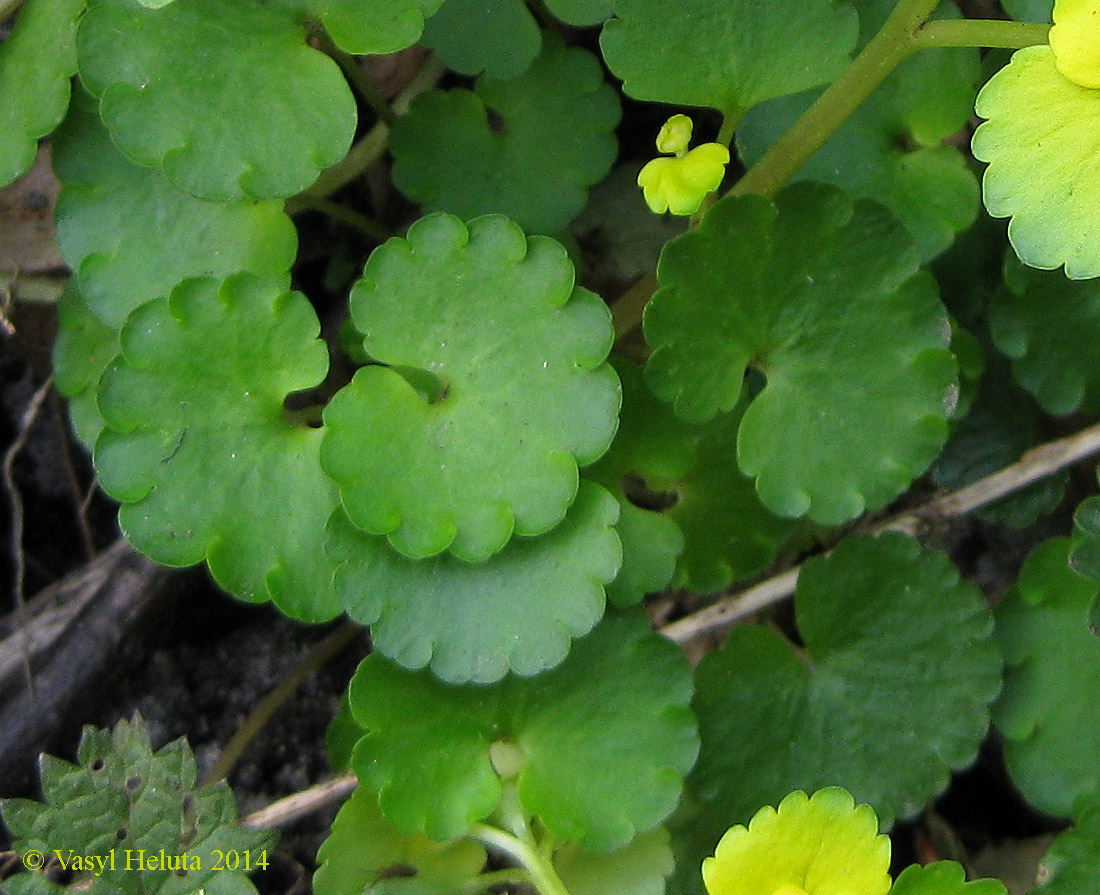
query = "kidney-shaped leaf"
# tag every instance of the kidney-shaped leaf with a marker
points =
(513, 389)
(227, 98)
(365, 27)
(529, 147)
(200, 451)
(1072, 864)
(132, 236)
(1041, 141)
(36, 64)
(1052, 736)
(363, 849)
(890, 693)
(475, 622)
(729, 55)
(823, 296)
(604, 740)
(943, 878)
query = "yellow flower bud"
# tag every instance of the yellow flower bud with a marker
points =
(1075, 40)
(679, 184)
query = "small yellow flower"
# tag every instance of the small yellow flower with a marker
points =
(813, 845)
(679, 184)
(1075, 40)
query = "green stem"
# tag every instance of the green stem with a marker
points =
(342, 213)
(979, 33)
(327, 649)
(881, 56)
(353, 71)
(362, 155)
(543, 875)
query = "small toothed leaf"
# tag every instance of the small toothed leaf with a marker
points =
(161, 77)
(499, 39)
(1051, 659)
(121, 800)
(195, 398)
(1041, 171)
(366, 27)
(115, 218)
(897, 673)
(752, 51)
(517, 612)
(37, 63)
(943, 878)
(823, 296)
(427, 751)
(554, 140)
(509, 355)
(363, 850)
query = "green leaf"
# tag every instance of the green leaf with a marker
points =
(638, 869)
(529, 147)
(196, 399)
(729, 56)
(84, 347)
(943, 878)
(428, 746)
(1040, 166)
(370, 27)
(1053, 662)
(517, 612)
(36, 64)
(729, 534)
(812, 283)
(580, 12)
(363, 850)
(1084, 556)
(1029, 10)
(228, 99)
(1049, 327)
(517, 393)
(500, 39)
(1072, 865)
(1002, 424)
(114, 220)
(123, 799)
(891, 148)
(341, 735)
(889, 694)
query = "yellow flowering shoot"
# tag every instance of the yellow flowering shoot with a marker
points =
(812, 845)
(679, 184)
(1075, 40)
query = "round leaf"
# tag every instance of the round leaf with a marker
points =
(638, 869)
(427, 750)
(514, 354)
(132, 236)
(200, 451)
(529, 147)
(36, 64)
(517, 612)
(84, 347)
(1073, 861)
(365, 27)
(1050, 327)
(890, 693)
(363, 850)
(228, 99)
(823, 296)
(580, 12)
(500, 39)
(730, 55)
(1041, 166)
(1053, 662)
